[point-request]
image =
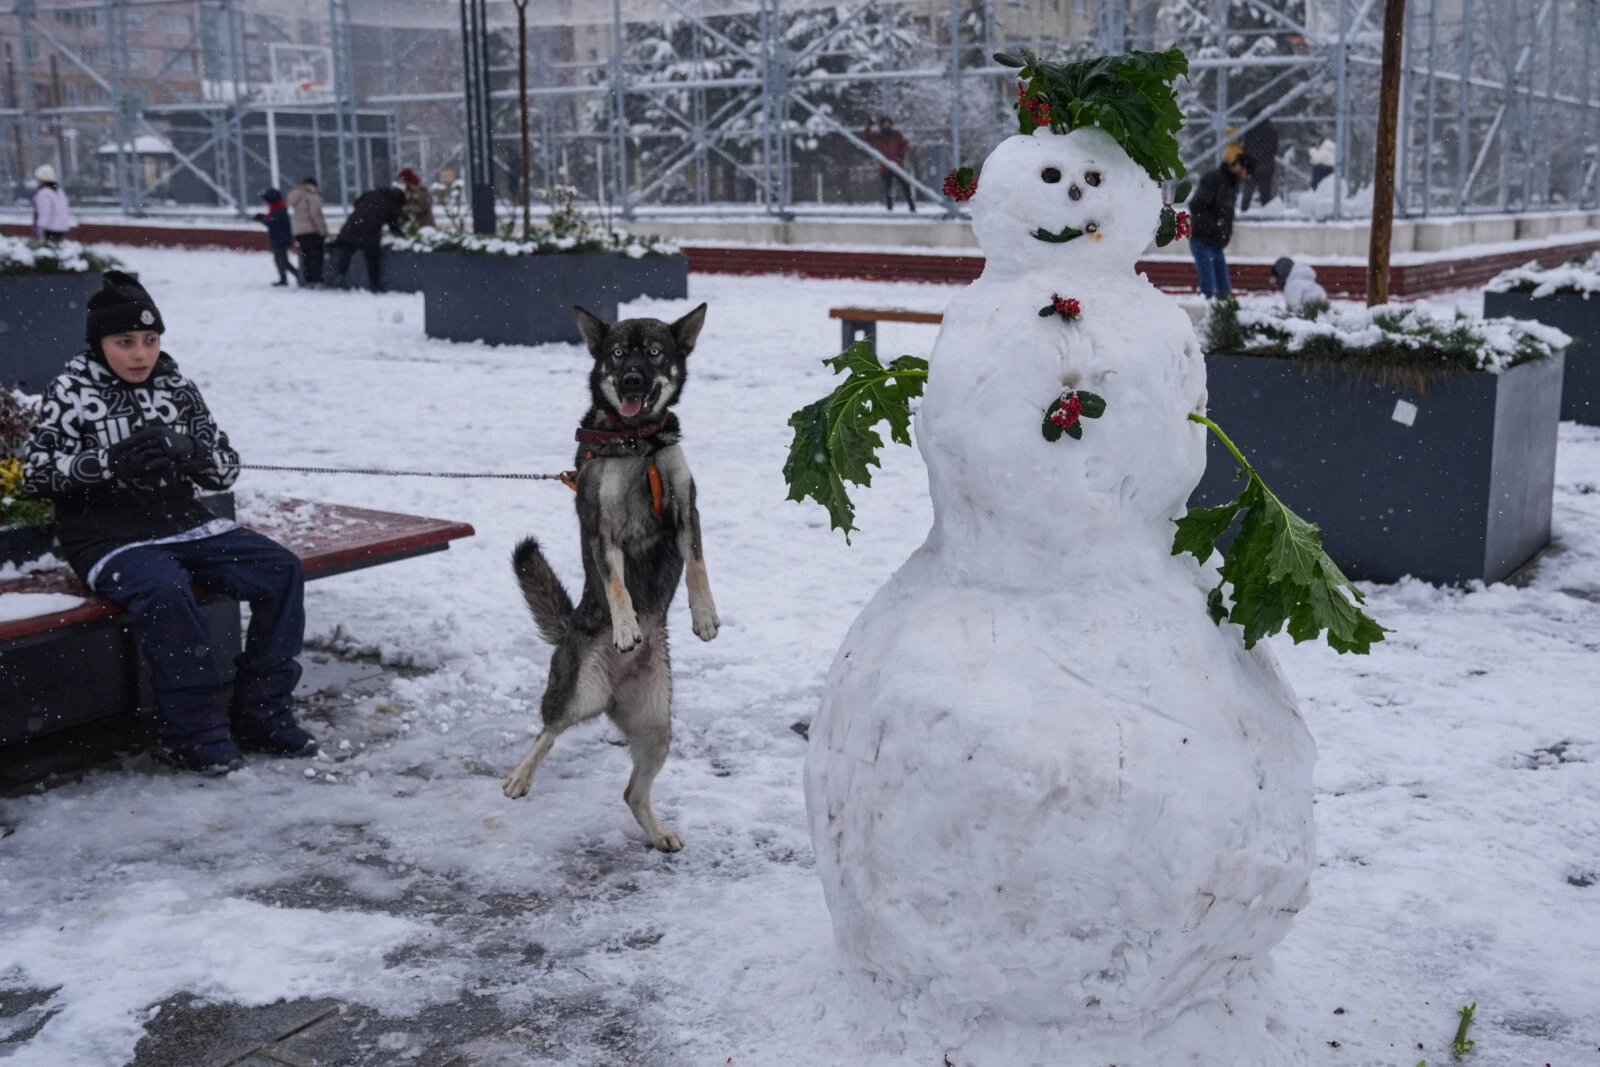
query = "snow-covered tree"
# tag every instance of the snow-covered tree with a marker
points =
(815, 43)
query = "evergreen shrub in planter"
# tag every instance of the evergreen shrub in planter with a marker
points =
(1560, 297)
(520, 289)
(1421, 443)
(43, 290)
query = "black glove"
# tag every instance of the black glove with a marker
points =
(152, 453)
(259, 217)
(125, 461)
(169, 452)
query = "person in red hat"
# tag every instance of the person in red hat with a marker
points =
(419, 202)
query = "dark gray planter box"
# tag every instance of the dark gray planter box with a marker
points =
(66, 678)
(1463, 492)
(20, 544)
(657, 277)
(41, 325)
(1570, 313)
(528, 300)
(403, 272)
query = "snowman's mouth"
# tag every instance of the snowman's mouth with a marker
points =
(1061, 236)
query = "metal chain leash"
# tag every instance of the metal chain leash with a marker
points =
(398, 474)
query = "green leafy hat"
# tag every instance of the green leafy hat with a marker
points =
(1130, 96)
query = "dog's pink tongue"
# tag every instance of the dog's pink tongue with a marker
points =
(631, 406)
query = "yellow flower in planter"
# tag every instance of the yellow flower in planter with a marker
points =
(10, 477)
(16, 509)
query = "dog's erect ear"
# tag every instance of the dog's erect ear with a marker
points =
(593, 328)
(686, 331)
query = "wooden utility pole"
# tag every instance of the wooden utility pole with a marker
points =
(522, 99)
(1394, 28)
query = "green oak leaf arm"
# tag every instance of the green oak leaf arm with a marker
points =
(835, 438)
(1279, 573)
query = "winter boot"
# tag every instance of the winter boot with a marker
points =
(285, 740)
(211, 758)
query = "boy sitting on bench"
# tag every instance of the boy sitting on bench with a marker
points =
(122, 442)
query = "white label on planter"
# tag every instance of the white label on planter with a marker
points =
(1405, 412)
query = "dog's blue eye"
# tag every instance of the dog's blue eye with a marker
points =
(617, 352)
(655, 352)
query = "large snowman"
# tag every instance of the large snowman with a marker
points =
(1048, 795)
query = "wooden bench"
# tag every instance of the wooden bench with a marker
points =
(861, 324)
(78, 664)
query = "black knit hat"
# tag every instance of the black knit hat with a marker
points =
(121, 306)
(1281, 269)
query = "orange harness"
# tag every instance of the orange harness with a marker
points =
(570, 480)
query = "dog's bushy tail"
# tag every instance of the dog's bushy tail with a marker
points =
(547, 599)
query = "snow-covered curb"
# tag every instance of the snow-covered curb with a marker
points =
(18, 256)
(1412, 335)
(542, 242)
(1539, 281)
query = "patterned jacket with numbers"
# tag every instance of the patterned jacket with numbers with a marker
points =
(86, 410)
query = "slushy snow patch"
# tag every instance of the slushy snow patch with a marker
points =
(172, 940)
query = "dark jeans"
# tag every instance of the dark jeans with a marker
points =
(280, 259)
(310, 245)
(343, 253)
(890, 179)
(152, 583)
(1212, 268)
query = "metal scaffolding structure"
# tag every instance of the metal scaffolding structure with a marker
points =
(223, 138)
(757, 106)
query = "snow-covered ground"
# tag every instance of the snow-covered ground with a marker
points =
(1458, 786)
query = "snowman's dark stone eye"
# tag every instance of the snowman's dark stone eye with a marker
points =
(1050, 175)
(1092, 178)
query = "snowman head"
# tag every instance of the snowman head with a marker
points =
(1064, 200)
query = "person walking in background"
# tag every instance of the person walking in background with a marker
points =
(1211, 219)
(419, 202)
(51, 219)
(280, 234)
(309, 227)
(1299, 284)
(1261, 145)
(373, 211)
(892, 145)
(1322, 159)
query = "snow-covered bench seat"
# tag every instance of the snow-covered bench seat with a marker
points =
(75, 661)
(861, 324)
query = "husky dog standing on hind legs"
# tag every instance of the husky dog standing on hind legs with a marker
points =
(639, 529)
